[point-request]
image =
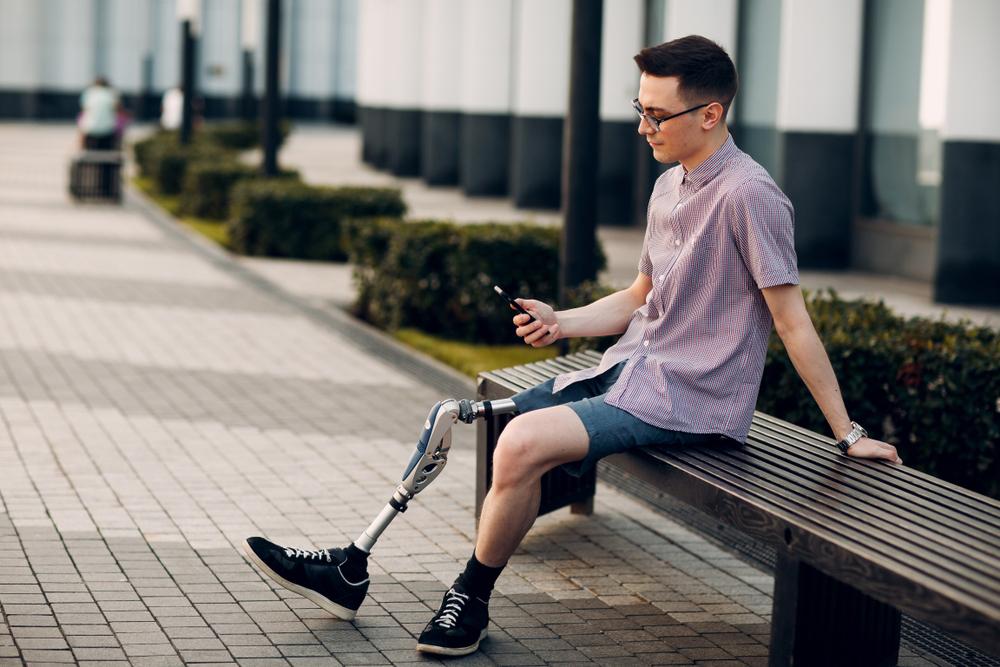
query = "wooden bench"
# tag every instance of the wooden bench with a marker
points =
(858, 541)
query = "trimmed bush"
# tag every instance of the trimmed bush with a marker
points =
(240, 134)
(929, 387)
(208, 186)
(439, 276)
(144, 150)
(282, 218)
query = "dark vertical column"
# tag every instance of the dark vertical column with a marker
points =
(247, 111)
(272, 94)
(187, 80)
(579, 187)
(809, 609)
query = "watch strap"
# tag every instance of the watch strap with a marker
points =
(857, 432)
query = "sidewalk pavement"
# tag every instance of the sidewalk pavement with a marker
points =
(158, 404)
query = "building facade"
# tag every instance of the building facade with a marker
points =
(877, 117)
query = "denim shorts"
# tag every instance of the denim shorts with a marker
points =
(611, 429)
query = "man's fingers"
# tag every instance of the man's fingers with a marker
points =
(528, 329)
(541, 338)
(539, 333)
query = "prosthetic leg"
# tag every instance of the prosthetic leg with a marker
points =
(337, 579)
(430, 457)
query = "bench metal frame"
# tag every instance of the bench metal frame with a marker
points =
(857, 541)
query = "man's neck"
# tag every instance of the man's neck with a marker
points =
(713, 144)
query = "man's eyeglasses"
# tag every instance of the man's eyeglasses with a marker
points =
(655, 122)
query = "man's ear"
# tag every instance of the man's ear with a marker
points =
(713, 116)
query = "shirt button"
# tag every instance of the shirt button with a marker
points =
(661, 278)
(677, 242)
(645, 343)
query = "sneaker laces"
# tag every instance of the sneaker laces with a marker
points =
(320, 554)
(454, 603)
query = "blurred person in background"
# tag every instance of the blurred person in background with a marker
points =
(101, 118)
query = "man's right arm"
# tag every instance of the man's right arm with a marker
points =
(605, 317)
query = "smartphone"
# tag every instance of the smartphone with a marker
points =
(507, 297)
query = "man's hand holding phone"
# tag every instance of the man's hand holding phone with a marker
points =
(536, 321)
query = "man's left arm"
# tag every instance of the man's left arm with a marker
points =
(795, 327)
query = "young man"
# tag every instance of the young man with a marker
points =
(717, 266)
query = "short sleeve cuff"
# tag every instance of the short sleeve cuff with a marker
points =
(775, 279)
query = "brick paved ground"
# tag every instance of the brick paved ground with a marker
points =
(155, 409)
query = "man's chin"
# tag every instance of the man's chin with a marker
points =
(660, 156)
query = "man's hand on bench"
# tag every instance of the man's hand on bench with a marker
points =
(869, 448)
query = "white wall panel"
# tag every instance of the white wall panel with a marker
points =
(442, 52)
(819, 69)
(20, 44)
(621, 39)
(541, 57)
(973, 89)
(485, 65)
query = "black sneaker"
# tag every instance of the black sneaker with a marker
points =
(316, 575)
(458, 626)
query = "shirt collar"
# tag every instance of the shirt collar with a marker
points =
(708, 169)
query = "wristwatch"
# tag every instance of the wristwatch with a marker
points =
(856, 434)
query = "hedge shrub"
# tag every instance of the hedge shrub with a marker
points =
(240, 134)
(284, 218)
(438, 276)
(208, 185)
(930, 387)
(144, 150)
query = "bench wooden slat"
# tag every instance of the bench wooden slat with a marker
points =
(969, 498)
(864, 487)
(878, 576)
(888, 505)
(836, 530)
(936, 500)
(854, 525)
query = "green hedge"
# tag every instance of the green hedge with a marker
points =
(208, 185)
(162, 159)
(240, 134)
(145, 149)
(281, 218)
(439, 276)
(929, 387)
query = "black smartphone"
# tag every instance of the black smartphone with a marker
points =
(514, 304)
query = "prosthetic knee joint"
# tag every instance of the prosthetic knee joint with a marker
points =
(430, 457)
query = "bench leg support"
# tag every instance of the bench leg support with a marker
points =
(820, 621)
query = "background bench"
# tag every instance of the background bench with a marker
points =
(858, 541)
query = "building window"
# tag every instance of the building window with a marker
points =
(903, 109)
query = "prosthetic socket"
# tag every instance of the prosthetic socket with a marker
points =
(430, 457)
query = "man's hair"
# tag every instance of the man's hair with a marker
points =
(703, 68)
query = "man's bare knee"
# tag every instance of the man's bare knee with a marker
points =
(536, 442)
(513, 458)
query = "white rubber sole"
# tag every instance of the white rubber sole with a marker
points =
(329, 605)
(443, 650)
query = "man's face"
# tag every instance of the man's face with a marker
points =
(678, 137)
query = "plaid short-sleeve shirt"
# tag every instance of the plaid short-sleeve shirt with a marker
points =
(695, 350)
